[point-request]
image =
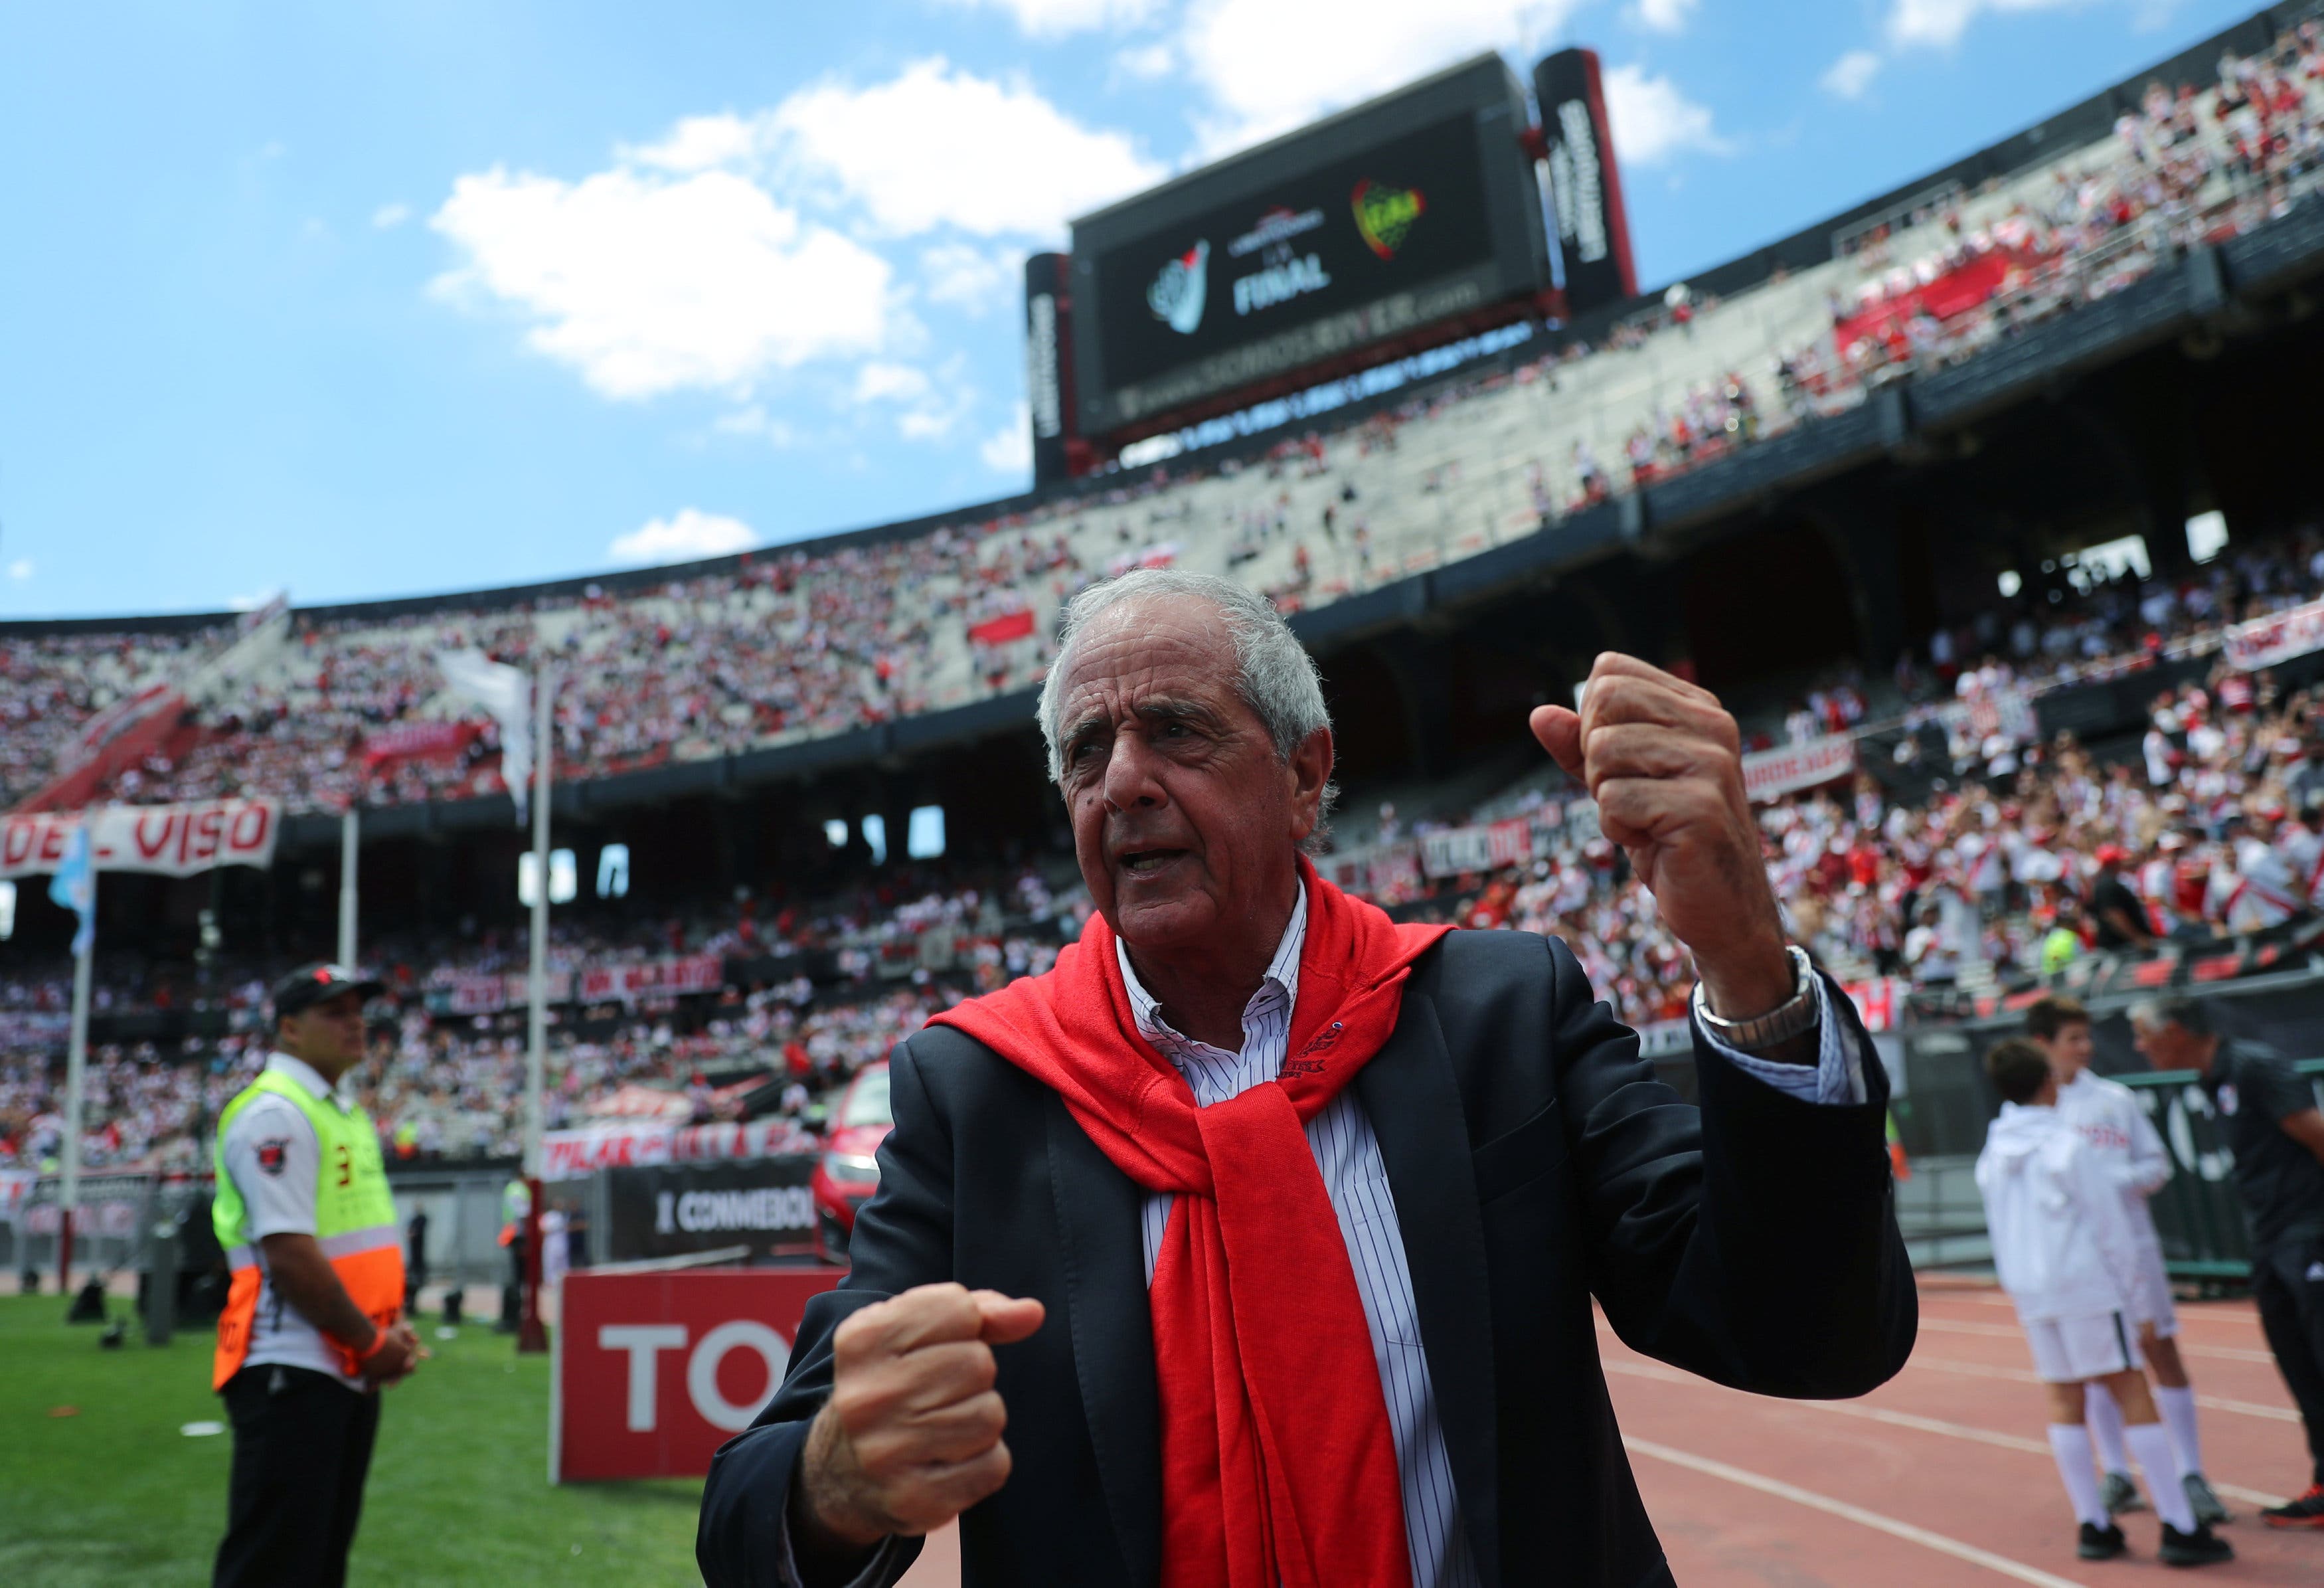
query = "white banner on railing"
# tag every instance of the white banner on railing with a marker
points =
(1769, 774)
(2266, 641)
(570, 1155)
(1477, 849)
(175, 840)
(671, 976)
(653, 978)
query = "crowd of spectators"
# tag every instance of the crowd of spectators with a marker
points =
(442, 1083)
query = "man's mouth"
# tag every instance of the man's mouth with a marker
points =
(1145, 862)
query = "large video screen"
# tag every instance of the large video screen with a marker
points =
(1301, 255)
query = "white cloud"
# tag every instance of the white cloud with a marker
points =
(1268, 67)
(1664, 16)
(699, 142)
(388, 217)
(647, 284)
(1942, 22)
(970, 278)
(1009, 451)
(756, 422)
(1652, 120)
(20, 569)
(935, 147)
(890, 383)
(251, 602)
(740, 245)
(684, 536)
(942, 147)
(1146, 62)
(929, 408)
(1848, 77)
(1052, 19)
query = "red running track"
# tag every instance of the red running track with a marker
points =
(1939, 1478)
(1943, 1475)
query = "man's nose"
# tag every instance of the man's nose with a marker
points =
(1130, 782)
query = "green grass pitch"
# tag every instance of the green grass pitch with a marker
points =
(458, 1493)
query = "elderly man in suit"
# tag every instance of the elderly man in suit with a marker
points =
(1255, 1244)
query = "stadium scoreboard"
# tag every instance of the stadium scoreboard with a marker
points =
(1414, 219)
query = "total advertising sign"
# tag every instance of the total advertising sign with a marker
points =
(174, 840)
(655, 1371)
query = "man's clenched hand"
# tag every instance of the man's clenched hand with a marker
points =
(1664, 762)
(912, 1434)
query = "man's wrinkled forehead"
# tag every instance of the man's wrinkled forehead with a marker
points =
(1174, 649)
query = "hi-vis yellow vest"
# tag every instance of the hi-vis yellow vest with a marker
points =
(354, 1223)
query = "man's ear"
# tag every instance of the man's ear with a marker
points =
(1311, 773)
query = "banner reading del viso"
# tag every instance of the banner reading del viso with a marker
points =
(175, 840)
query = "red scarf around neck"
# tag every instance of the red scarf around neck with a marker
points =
(1278, 1466)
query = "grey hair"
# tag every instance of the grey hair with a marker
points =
(1274, 674)
(2187, 1013)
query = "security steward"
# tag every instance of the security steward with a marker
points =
(312, 1327)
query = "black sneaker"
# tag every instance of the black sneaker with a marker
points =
(2207, 1508)
(2101, 1542)
(2119, 1495)
(2202, 1547)
(2307, 1512)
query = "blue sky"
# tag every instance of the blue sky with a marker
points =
(370, 298)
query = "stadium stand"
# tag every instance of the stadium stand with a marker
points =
(1963, 887)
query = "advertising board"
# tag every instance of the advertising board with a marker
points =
(1048, 374)
(1418, 211)
(674, 1209)
(655, 1371)
(1585, 182)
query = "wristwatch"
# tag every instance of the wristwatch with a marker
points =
(1780, 1024)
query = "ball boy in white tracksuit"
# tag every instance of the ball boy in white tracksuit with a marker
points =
(2107, 1117)
(2062, 1243)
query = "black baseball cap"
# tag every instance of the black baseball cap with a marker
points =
(311, 984)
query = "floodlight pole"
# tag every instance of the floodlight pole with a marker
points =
(349, 823)
(76, 1069)
(529, 1334)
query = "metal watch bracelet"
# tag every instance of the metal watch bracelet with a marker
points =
(1789, 1019)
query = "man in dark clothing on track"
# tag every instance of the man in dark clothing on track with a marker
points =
(2269, 1119)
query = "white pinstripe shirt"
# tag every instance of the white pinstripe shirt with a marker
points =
(1348, 1155)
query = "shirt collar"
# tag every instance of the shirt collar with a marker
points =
(1282, 977)
(305, 1073)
